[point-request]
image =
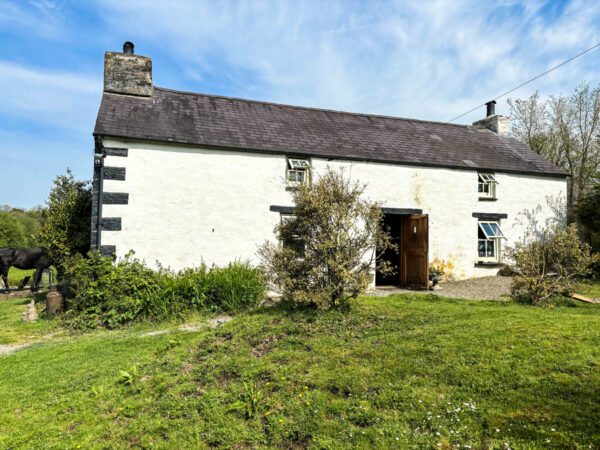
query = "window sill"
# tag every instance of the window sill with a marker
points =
(487, 199)
(488, 264)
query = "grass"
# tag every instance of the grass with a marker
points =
(15, 276)
(12, 330)
(392, 372)
(589, 288)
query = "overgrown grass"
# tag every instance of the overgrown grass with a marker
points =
(407, 371)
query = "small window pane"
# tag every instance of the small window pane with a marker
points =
(487, 229)
(490, 248)
(496, 229)
(481, 248)
(298, 163)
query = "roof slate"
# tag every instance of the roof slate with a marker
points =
(223, 122)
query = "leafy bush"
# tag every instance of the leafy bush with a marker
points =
(595, 267)
(103, 293)
(550, 265)
(329, 249)
(236, 286)
(12, 232)
(66, 222)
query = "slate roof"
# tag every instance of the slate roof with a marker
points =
(232, 123)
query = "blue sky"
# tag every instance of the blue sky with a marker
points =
(422, 59)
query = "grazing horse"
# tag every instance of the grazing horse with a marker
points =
(35, 258)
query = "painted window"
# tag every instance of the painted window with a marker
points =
(297, 171)
(490, 236)
(487, 185)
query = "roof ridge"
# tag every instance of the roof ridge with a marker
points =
(336, 111)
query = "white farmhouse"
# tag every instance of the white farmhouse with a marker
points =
(182, 177)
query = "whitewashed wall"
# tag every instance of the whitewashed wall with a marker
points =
(190, 204)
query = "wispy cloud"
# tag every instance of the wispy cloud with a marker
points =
(59, 98)
(41, 18)
(430, 60)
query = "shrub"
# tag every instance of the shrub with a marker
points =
(595, 267)
(66, 222)
(12, 232)
(328, 250)
(103, 293)
(237, 286)
(549, 265)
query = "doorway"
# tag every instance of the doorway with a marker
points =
(410, 233)
(393, 223)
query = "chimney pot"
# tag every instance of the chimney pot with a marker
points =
(491, 107)
(128, 47)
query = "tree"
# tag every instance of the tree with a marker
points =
(549, 265)
(327, 251)
(565, 130)
(588, 214)
(66, 221)
(12, 233)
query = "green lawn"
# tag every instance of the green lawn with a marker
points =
(15, 276)
(407, 371)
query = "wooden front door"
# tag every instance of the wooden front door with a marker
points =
(414, 267)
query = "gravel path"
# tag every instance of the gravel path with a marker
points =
(484, 288)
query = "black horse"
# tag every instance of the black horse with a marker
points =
(35, 258)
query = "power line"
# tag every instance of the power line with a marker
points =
(529, 81)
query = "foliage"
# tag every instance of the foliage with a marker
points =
(399, 369)
(29, 221)
(588, 210)
(236, 286)
(506, 271)
(12, 232)
(129, 378)
(595, 267)
(549, 265)
(250, 399)
(565, 130)
(66, 222)
(329, 247)
(111, 294)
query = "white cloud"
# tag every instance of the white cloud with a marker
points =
(430, 60)
(61, 99)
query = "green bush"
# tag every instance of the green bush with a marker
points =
(103, 293)
(548, 266)
(237, 286)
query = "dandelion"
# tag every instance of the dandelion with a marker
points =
(299, 395)
(306, 388)
(307, 403)
(280, 420)
(282, 378)
(268, 413)
(268, 384)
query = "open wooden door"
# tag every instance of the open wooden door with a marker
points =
(414, 267)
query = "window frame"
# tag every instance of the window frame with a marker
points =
(297, 166)
(486, 180)
(493, 235)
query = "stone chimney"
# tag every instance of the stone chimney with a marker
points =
(494, 122)
(126, 73)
